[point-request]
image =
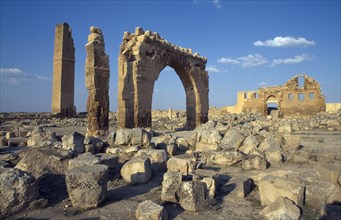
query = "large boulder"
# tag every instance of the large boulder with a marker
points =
(254, 162)
(73, 142)
(87, 186)
(137, 170)
(329, 172)
(272, 187)
(221, 158)
(192, 196)
(181, 164)
(93, 145)
(18, 189)
(232, 140)
(44, 161)
(207, 139)
(291, 142)
(148, 210)
(171, 186)
(133, 137)
(282, 208)
(39, 137)
(158, 158)
(249, 144)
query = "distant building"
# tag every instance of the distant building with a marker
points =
(300, 96)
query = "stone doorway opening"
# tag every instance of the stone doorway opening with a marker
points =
(168, 101)
(272, 105)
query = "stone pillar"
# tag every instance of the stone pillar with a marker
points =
(63, 72)
(97, 74)
(170, 112)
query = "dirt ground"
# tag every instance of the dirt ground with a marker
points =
(122, 199)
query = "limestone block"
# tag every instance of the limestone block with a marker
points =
(135, 136)
(285, 129)
(171, 186)
(221, 158)
(207, 139)
(239, 186)
(249, 144)
(282, 208)
(192, 196)
(87, 185)
(136, 171)
(329, 172)
(269, 144)
(291, 142)
(148, 210)
(107, 159)
(317, 194)
(271, 188)
(40, 162)
(18, 189)
(73, 142)
(15, 142)
(206, 147)
(158, 158)
(254, 162)
(211, 184)
(274, 157)
(232, 140)
(97, 144)
(183, 165)
(40, 137)
(86, 159)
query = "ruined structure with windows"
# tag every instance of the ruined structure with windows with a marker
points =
(291, 99)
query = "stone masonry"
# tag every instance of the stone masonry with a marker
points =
(63, 72)
(97, 75)
(143, 55)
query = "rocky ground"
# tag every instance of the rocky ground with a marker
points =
(233, 167)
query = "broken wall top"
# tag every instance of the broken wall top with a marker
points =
(147, 42)
(309, 82)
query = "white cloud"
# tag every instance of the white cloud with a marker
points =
(262, 84)
(217, 3)
(246, 61)
(16, 76)
(296, 59)
(252, 60)
(215, 69)
(284, 42)
(228, 61)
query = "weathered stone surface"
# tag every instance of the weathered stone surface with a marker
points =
(87, 185)
(171, 186)
(291, 142)
(211, 185)
(232, 140)
(133, 137)
(271, 188)
(93, 143)
(192, 196)
(286, 97)
(239, 186)
(97, 74)
(18, 189)
(148, 210)
(183, 165)
(317, 193)
(73, 142)
(282, 208)
(329, 172)
(44, 161)
(158, 158)
(207, 139)
(63, 72)
(221, 158)
(136, 171)
(254, 162)
(249, 144)
(39, 137)
(87, 159)
(142, 57)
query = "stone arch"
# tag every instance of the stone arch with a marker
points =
(143, 55)
(271, 99)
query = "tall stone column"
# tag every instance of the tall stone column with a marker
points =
(63, 72)
(97, 74)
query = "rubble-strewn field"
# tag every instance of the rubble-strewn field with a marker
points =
(233, 167)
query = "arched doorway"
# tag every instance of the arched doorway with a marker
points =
(143, 55)
(272, 104)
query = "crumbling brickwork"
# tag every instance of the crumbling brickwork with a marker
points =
(291, 98)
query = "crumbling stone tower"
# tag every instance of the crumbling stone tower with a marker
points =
(97, 75)
(63, 72)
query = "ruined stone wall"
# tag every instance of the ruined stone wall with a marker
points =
(143, 55)
(63, 72)
(292, 99)
(97, 73)
(333, 107)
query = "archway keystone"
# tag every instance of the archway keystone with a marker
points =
(143, 55)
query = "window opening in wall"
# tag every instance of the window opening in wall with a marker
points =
(255, 95)
(245, 95)
(300, 96)
(311, 95)
(290, 96)
(301, 82)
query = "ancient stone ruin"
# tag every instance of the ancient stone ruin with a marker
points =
(291, 99)
(97, 75)
(63, 72)
(143, 55)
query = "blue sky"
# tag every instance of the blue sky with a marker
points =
(249, 44)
